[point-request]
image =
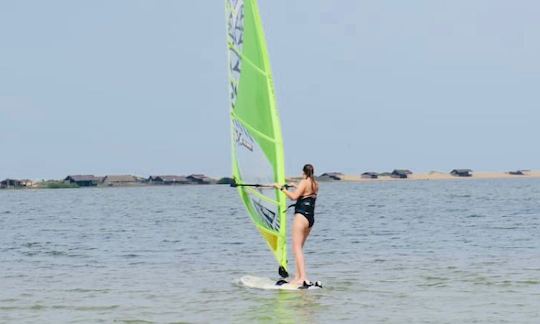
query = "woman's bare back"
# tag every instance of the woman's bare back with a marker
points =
(311, 188)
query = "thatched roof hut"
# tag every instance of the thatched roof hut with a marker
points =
(26, 183)
(200, 179)
(370, 175)
(168, 179)
(83, 180)
(329, 176)
(400, 173)
(10, 183)
(406, 171)
(461, 172)
(119, 180)
(226, 180)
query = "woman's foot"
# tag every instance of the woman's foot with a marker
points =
(299, 281)
(295, 279)
(305, 285)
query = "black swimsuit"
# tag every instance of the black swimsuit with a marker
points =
(306, 207)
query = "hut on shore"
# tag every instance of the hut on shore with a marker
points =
(83, 180)
(330, 176)
(226, 180)
(517, 172)
(119, 180)
(200, 179)
(27, 183)
(168, 180)
(461, 172)
(10, 183)
(370, 175)
(401, 173)
(16, 183)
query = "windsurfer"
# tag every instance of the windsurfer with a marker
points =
(305, 195)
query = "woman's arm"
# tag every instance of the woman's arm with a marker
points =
(300, 189)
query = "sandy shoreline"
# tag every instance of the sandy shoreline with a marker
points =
(435, 175)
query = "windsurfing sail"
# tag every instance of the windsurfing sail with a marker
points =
(257, 145)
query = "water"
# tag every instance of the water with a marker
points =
(388, 252)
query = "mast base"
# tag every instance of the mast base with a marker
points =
(282, 272)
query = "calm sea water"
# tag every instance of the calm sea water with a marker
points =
(388, 252)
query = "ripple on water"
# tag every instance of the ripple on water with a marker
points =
(430, 252)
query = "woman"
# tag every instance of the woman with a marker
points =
(304, 213)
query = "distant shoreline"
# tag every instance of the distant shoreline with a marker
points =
(199, 179)
(435, 175)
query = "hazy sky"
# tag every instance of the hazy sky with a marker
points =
(140, 87)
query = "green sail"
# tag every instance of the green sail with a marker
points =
(257, 145)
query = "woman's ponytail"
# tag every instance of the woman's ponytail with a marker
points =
(309, 171)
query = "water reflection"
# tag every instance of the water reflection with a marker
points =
(283, 306)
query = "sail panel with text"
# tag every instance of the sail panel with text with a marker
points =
(257, 147)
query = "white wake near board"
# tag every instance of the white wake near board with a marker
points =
(268, 284)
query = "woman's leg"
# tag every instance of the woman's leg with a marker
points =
(306, 234)
(307, 230)
(300, 231)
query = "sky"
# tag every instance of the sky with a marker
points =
(140, 87)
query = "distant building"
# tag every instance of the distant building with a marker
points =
(400, 173)
(226, 180)
(406, 171)
(370, 175)
(200, 179)
(16, 183)
(168, 180)
(27, 183)
(461, 172)
(119, 180)
(10, 183)
(154, 180)
(83, 180)
(329, 176)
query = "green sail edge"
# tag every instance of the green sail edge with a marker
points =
(264, 124)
